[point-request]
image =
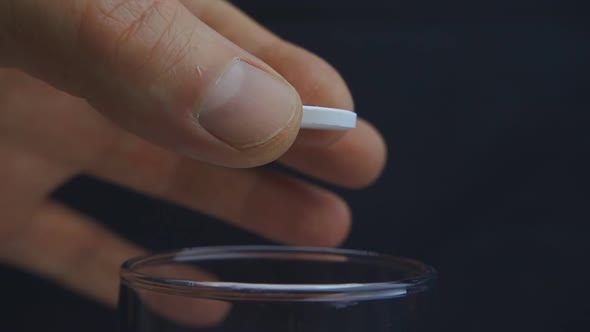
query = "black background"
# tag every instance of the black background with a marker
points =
(485, 108)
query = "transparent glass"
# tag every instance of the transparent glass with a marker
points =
(275, 289)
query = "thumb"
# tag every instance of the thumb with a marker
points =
(158, 71)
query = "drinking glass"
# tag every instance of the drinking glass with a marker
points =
(276, 289)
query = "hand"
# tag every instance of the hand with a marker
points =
(178, 100)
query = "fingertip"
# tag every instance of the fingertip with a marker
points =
(292, 211)
(187, 311)
(248, 106)
(317, 82)
(325, 220)
(355, 161)
(369, 146)
(342, 214)
(318, 138)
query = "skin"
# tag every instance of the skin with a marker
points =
(60, 116)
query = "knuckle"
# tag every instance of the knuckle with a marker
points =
(131, 34)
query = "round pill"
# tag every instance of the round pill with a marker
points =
(316, 117)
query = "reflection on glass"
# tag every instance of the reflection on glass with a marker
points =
(275, 289)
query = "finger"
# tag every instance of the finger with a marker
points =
(183, 310)
(155, 69)
(317, 82)
(272, 205)
(298, 213)
(174, 304)
(78, 254)
(354, 161)
(71, 250)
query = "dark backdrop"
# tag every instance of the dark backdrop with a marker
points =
(485, 107)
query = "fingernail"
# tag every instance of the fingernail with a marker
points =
(247, 107)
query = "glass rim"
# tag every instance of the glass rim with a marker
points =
(225, 290)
